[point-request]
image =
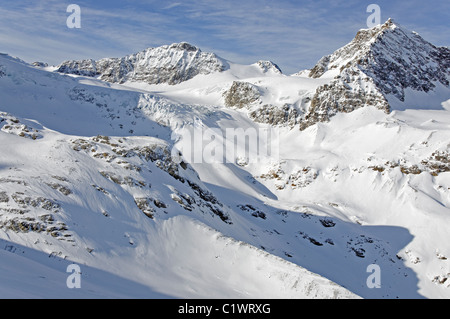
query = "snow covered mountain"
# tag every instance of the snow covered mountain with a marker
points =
(99, 167)
(167, 64)
(383, 66)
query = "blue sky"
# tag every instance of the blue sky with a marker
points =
(293, 34)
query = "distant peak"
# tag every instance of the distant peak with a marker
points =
(269, 65)
(184, 46)
(172, 64)
(181, 46)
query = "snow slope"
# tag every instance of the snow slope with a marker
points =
(117, 206)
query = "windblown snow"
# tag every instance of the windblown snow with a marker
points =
(99, 168)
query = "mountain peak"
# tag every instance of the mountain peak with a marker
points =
(376, 68)
(390, 23)
(183, 46)
(372, 34)
(267, 66)
(389, 42)
(171, 64)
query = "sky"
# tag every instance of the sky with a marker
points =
(294, 34)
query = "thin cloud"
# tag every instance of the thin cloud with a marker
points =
(173, 5)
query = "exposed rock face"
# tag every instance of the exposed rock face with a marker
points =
(379, 62)
(274, 115)
(170, 64)
(244, 95)
(241, 94)
(342, 97)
